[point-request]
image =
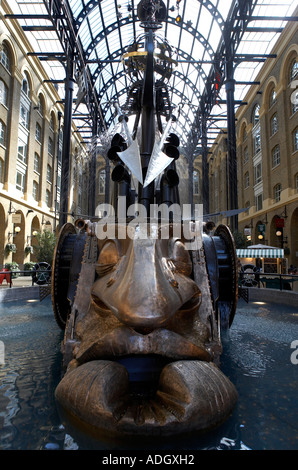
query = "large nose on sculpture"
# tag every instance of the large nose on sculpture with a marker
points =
(145, 294)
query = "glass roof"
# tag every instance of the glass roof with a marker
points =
(105, 29)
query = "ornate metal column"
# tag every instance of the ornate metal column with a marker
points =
(66, 148)
(205, 175)
(232, 157)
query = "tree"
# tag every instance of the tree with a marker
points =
(45, 246)
(239, 238)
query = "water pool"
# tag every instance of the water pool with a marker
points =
(257, 357)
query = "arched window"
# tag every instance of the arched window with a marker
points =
(196, 183)
(293, 75)
(272, 98)
(5, 57)
(102, 182)
(25, 86)
(40, 106)
(52, 123)
(3, 93)
(256, 114)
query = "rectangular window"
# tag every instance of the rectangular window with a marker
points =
(258, 173)
(274, 124)
(35, 191)
(3, 93)
(1, 170)
(22, 151)
(49, 174)
(24, 116)
(295, 139)
(38, 132)
(2, 133)
(102, 182)
(277, 192)
(36, 163)
(48, 198)
(259, 202)
(20, 181)
(275, 156)
(257, 142)
(246, 180)
(245, 157)
(51, 147)
(196, 186)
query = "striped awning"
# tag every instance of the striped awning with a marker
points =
(260, 252)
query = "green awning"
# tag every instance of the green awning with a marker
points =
(260, 253)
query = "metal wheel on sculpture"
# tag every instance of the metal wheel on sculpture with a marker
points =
(228, 274)
(65, 271)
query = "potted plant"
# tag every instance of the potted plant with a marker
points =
(10, 248)
(28, 267)
(13, 267)
(29, 250)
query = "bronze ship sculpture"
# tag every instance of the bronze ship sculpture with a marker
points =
(143, 299)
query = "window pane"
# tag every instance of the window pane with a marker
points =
(22, 151)
(2, 133)
(275, 156)
(4, 57)
(20, 181)
(3, 93)
(274, 124)
(102, 182)
(36, 163)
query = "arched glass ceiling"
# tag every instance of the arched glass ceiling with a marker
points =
(105, 28)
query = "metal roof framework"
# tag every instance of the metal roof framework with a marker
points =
(96, 34)
(219, 47)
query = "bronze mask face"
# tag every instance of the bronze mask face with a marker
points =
(141, 358)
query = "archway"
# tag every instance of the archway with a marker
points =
(275, 240)
(35, 227)
(260, 233)
(18, 238)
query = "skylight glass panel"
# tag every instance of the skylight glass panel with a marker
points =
(196, 38)
(76, 6)
(109, 13)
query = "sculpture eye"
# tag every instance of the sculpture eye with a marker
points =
(108, 258)
(180, 257)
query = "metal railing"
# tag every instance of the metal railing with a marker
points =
(38, 277)
(268, 280)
